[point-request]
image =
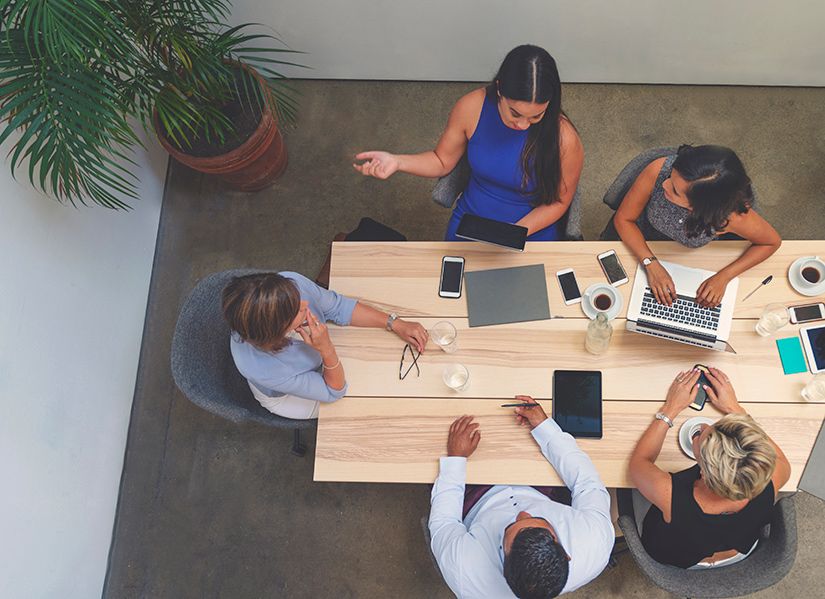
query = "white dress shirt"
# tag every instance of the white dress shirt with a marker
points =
(470, 554)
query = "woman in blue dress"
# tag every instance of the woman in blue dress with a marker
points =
(525, 155)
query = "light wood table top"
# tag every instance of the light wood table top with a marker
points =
(404, 277)
(383, 439)
(520, 358)
(388, 430)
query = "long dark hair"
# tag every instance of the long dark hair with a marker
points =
(529, 74)
(718, 187)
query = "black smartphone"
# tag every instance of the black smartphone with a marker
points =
(478, 228)
(569, 286)
(452, 269)
(577, 402)
(702, 395)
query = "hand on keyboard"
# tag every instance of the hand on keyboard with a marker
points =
(712, 290)
(661, 285)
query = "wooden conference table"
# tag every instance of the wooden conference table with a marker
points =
(388, 430)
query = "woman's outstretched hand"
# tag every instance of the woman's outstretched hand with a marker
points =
(380, 165)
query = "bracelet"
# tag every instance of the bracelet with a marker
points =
(338, 363)
(665, 419)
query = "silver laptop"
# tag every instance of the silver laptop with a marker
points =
(684, 321)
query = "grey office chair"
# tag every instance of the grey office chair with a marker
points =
(624, 180)
(450, 186)
(202, 365)
(425, 527)
(768, 564)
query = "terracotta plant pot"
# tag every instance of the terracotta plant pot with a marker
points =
(253, 165)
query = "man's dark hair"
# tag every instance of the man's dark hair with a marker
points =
(537, 566)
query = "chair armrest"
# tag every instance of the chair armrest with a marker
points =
(450, 186)
(624, 501)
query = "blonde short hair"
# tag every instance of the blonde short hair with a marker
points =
(736, 458)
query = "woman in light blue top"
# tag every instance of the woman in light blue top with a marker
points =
(291, 374)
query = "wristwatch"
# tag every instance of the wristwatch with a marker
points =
(391, 319)
(647, 261)
(665, 419)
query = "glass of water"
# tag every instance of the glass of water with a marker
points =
(815, 389)
(445, 336)
(774, 317)
(456, 377)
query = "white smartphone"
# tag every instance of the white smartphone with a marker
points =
(569, 286)
(813, 340)
(452, 273)
(612, 268)
(807, 313)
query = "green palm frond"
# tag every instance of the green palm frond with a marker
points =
(73, 72)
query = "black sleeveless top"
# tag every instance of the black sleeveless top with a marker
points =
(692, 534)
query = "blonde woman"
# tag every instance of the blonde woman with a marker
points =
(710, 514)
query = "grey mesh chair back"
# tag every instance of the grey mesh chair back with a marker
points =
(450, 186)
(202, 364)
(621, 185)
(768, 564)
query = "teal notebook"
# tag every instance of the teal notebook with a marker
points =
(790, 352)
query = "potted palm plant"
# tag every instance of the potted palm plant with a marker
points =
(76, 75)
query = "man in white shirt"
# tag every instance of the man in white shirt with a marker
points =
(516, 541)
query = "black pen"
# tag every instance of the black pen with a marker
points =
(519, 405)
(765, 282)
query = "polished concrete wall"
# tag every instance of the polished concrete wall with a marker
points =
(732, 42)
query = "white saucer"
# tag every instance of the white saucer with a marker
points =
(688, 428)
(590, 310)
(796, 281)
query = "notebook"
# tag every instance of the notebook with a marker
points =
(504, 295)
(790, 352)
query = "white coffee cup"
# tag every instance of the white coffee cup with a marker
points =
(811, 273)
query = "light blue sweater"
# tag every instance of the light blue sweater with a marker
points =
(295, 369)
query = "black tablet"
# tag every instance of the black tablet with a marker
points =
(478, 228)
(577, 402)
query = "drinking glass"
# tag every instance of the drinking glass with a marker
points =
(774, 317)
(456, 377)
(815, 389)
(445, 336)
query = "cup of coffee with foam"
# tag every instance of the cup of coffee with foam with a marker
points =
(812, 272)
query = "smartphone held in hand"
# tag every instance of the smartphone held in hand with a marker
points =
(701, 395)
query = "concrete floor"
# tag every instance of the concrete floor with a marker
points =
(212, 509)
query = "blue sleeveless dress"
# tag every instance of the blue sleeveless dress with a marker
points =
(494, 190)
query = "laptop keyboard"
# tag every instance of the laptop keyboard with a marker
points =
(684, 311)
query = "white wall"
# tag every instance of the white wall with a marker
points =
(72, 302)
(751, 42)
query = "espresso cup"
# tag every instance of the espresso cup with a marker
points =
(602, 301)
(812, 272)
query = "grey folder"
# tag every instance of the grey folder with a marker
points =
(506, 295)
(813, 479)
